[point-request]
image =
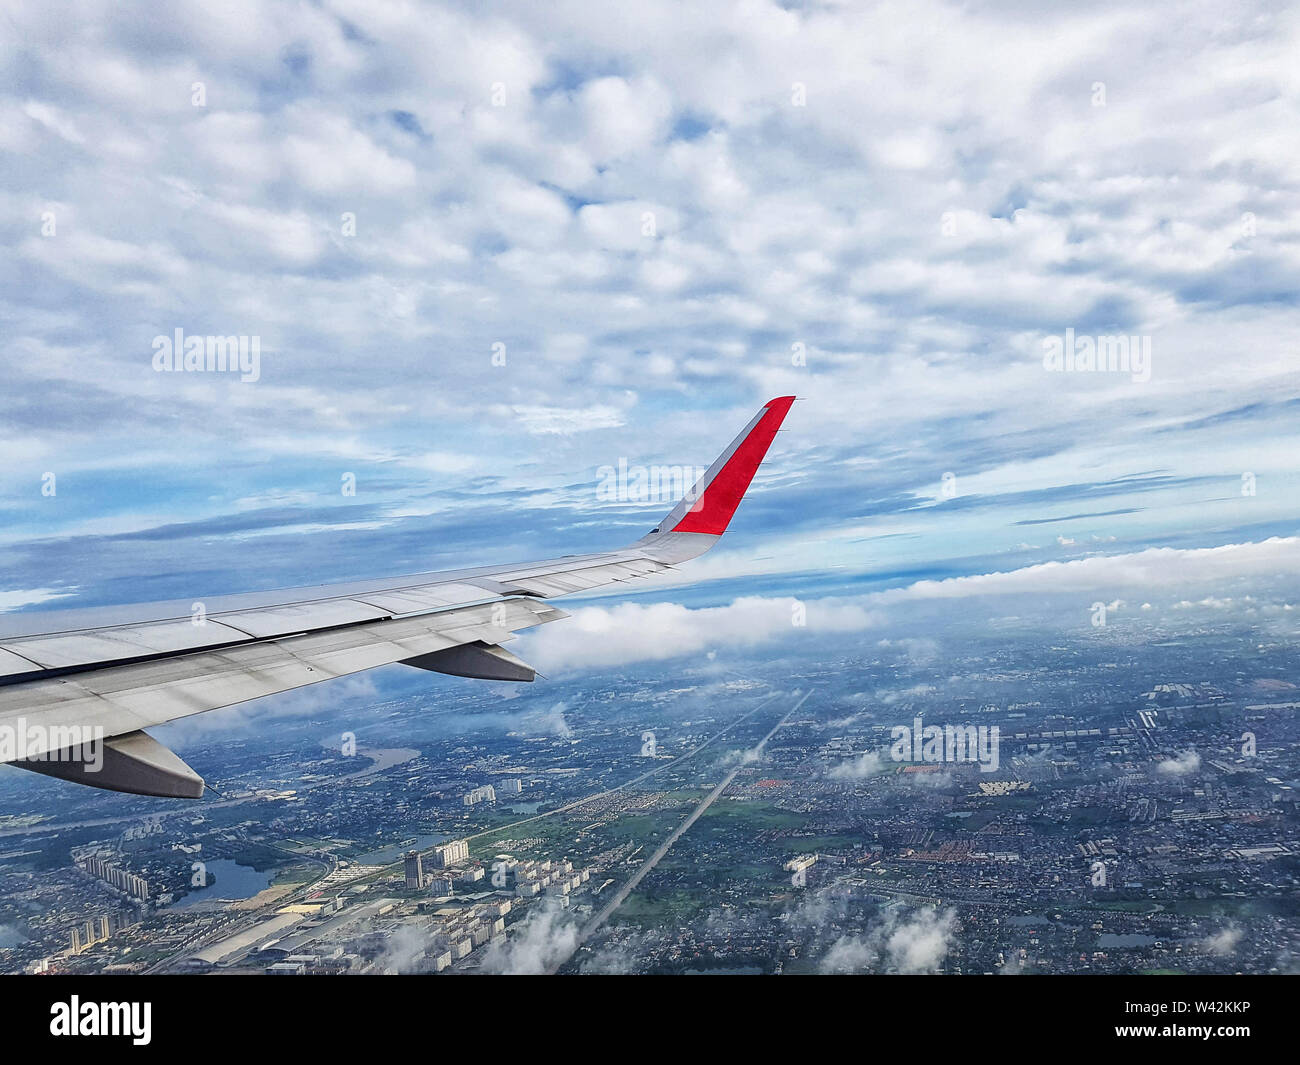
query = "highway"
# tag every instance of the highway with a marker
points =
(621, 895)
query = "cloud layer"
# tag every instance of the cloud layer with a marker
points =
(597, 637)
(487, 253)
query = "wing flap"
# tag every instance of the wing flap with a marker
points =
(301, 617)
(548, 583)
(74, 649)
(12, 665)
(432, 597)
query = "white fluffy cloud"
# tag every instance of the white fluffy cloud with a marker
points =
(1181, 765)
(597, 636)
(855, 184)
(1162, 567)
(603, 636)
(22, 597)
(907, 943)
(865, 765)
(1222, 943)
(543, 939)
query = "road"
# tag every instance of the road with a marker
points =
(590, 928)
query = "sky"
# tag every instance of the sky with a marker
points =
(486, 252)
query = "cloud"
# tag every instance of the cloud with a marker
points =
(404, 950)
(561, 421)
(849, 954)
(1162, 567)
(907, 943)
(1180, 766)
(739, 756)
(1222, 943)
(867, 764)
(52, 119)
(921, 944)
(389, 226)
(549, 722)
(598, 636)
(630, 632)
(546, 937)
(21, 597)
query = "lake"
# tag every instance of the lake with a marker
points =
(234, 881)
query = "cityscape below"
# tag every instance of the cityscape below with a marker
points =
(1005, 798)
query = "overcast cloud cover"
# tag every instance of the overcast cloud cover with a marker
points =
(654, 209)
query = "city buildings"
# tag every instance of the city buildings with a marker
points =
(484, 793)
(124, 881)
(414, 868)
(446, 855)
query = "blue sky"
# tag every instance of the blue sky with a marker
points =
(655, 211)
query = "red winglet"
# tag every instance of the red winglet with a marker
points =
(713, 510)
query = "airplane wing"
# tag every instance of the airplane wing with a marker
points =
(79, 687)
